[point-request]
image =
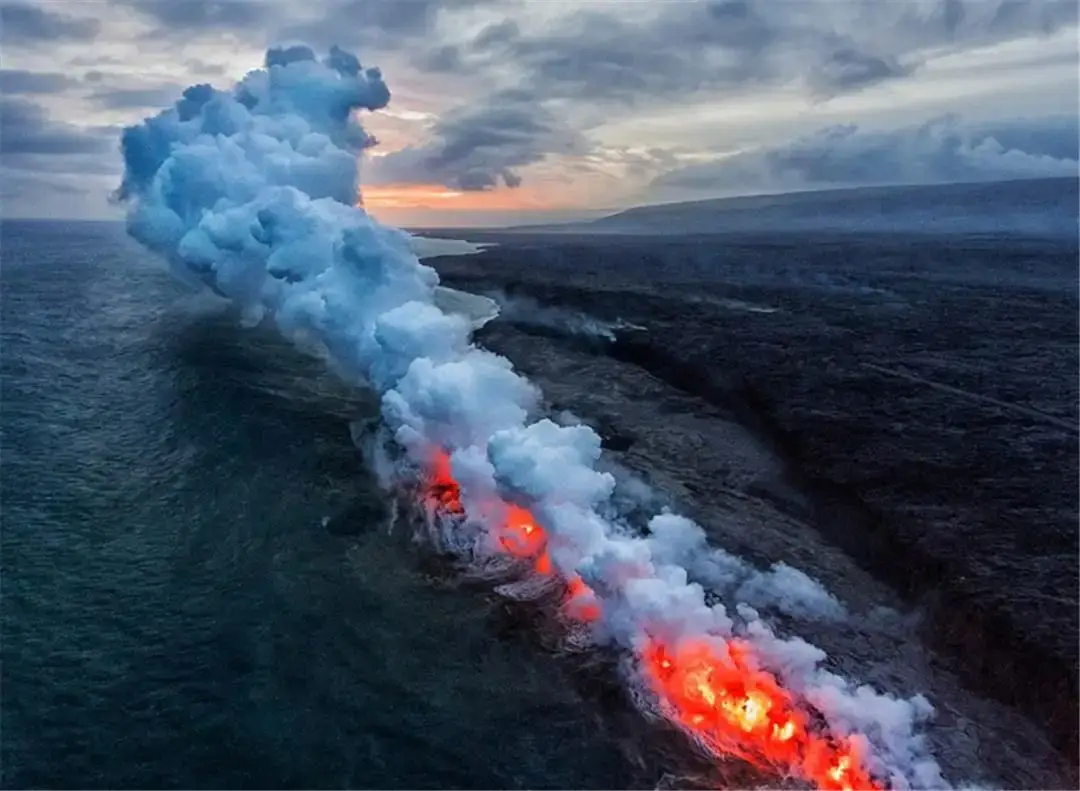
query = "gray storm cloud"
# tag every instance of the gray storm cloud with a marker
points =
(536, 92)
(31, 24)
(481, 146)
(945, 150)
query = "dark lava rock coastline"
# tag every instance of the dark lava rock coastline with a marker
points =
(922, 393)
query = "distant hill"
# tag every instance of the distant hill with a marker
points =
(1037, 207)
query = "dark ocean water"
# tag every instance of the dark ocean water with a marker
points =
(175, 614)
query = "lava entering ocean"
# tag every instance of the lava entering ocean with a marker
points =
(519, 536)
(250, 190)
(709, 687)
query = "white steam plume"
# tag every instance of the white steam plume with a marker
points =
(529, 312)
(252, 191)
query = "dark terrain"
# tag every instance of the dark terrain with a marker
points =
(1045, 207)
(921, 394)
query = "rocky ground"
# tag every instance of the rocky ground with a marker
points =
(896, 416)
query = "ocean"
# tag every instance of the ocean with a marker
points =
(176, 612)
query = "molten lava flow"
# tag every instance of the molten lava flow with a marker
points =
(709, 687)
(519, 535)
(543, 564)
(442, 488)
(736, 709)
(581, 602)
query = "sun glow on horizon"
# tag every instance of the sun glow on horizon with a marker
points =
(403, 203)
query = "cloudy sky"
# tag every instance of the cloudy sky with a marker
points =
(511, 111)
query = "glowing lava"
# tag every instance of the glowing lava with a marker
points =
(520, 535)
(736, 709)
(710, 687)
(442, 488)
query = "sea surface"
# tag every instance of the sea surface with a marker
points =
(175, 611)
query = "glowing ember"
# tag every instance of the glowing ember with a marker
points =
(442, 488)
(519, 534)
(581, 601)
(736, 709)
(543, 564)
(782, 733)
(712, 689)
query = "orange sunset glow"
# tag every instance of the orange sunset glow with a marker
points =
(437, 196)
(388, 201)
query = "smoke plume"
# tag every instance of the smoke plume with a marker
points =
(253, 191)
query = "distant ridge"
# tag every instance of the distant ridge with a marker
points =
(1035, 207)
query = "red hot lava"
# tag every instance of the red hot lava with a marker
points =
(519, 536)
(735, 709)
(709, 687)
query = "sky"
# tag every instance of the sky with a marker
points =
(511, 112)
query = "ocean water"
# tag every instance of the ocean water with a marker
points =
(175, 611)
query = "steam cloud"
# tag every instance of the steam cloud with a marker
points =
(251, 191)
(529, 312)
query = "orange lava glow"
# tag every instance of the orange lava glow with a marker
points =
(519, 534)
(738, 710)
(442, 487)
(710, 688)
(581, 601)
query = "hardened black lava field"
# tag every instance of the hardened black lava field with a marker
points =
(919, 395)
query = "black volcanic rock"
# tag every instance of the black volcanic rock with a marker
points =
(923, 392)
